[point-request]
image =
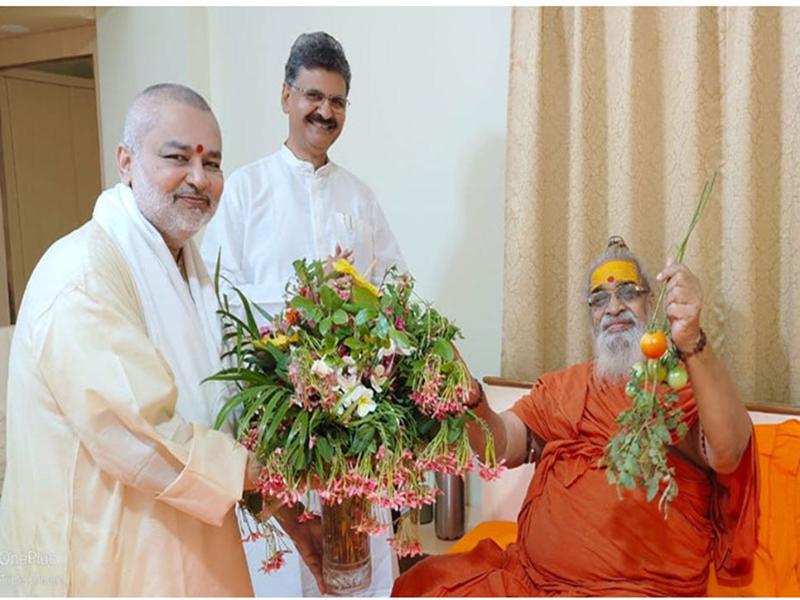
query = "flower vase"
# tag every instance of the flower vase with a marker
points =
(346, 564)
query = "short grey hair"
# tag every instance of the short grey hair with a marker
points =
(142, 112)
(616, 249)
(314, 50)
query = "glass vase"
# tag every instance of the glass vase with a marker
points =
(346, 564)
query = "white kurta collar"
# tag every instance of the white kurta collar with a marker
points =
(304, 166)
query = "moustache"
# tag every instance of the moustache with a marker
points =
(625, 318)
(195, 195)
(318, 118)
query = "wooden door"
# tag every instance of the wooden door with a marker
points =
(51, 162)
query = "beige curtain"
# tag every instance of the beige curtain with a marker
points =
(616, 116)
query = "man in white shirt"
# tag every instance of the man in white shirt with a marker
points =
(297, 203)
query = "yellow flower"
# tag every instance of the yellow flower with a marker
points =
(279, 340)
(341, 265)
(344, 267)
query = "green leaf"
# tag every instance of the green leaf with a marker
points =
(299, 427)
(325, 325)
(652, 488)
(401, 339)
(300, 460)
(279, 414)
(329, 298)
(444, 349)
(365, 315)
(324, 448)
(272, 399)
(229, 405)
(340, 317)
(237, 374)
(318, 466)
(250, 411)
(662, 432)
(365, 299)
(382, 328)
(626, 480)
(251, 322)
(453, 433)
(353, 343)
(303, 304)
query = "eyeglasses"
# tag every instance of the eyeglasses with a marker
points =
(338, 104)
(625, 293)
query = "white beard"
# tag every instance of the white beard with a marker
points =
(175, 222)
(616, 352)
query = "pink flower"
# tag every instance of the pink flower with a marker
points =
(306, 516)
(489, 473)
(250, 441)
(405, 548)
(254, 535)
(274, 562)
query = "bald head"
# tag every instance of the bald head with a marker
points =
(142, 114)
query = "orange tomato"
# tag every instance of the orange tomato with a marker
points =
(654, 344)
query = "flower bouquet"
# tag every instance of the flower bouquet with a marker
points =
(353, 391)
(637, 455)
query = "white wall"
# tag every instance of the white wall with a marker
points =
(426, 128)
(137, 47)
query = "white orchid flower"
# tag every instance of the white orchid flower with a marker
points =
(366, 404)
(345, 381)
(320, 368)
(360, 395)
(395, 349)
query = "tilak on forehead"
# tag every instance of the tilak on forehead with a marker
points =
(199, 148)
(613, 271)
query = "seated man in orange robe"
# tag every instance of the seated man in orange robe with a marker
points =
(575, 536)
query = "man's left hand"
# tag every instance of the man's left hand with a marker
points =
(307, 538)
(684, 301)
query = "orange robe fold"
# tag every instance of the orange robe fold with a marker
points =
(577, 538)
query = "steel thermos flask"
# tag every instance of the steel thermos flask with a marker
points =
(449, 514)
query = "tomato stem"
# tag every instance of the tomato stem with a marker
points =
(698, 211)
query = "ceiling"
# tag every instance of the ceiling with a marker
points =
(34, 19)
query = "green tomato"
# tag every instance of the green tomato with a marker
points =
(637, 371)
(631, 389)
(677, 378)
(656, 369)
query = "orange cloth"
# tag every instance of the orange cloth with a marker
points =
(576, 538)
(503, 533)
(776, 570)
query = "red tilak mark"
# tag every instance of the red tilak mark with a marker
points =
(610, 279)
(199, 148)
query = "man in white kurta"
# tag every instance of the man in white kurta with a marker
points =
(281, 208)
(297, 203)
(116, 485)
